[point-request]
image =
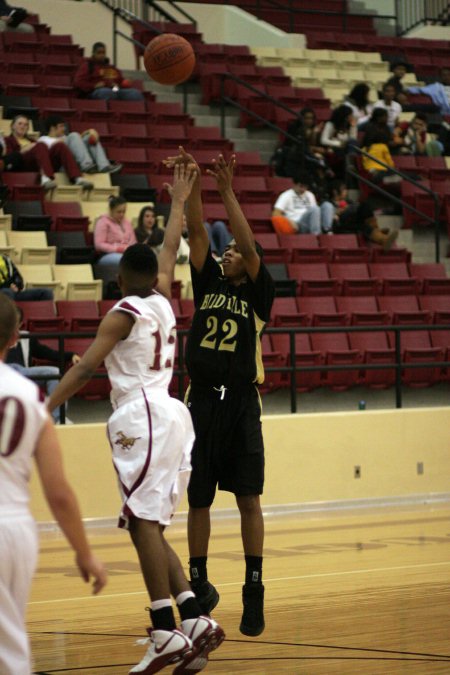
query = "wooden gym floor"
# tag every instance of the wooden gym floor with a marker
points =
(346, 592)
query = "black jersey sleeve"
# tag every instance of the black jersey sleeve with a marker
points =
(201, 280)
(262, 292)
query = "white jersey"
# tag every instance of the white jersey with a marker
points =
(146, 358)
(22, 416)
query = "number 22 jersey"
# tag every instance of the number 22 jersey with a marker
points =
(223, 346)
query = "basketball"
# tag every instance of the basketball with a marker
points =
(169, 59)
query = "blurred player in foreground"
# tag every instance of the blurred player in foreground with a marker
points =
(151, 437)
(26, 431)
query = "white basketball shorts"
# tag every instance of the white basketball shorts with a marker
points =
(151, 437)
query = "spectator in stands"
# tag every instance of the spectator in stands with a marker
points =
(358, 101)
(387, 102)
(439, 92)
(399, 70)
(147, 230)
(9, 161)
(296, 210)
(339, 135)
(98, 78)
(292, 156)
(219, 237)
(38, 157)
(360, 219)
(12, 19)
(86, 148)
(20, 357)
(113, 232)
(417, 140)
(378, 131)
(11, 283)
(379, 150)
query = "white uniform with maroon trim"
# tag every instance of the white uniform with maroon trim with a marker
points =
(150, 433)
(22, 416)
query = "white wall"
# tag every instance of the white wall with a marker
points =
(431, 32)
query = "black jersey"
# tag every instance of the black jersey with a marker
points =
(223, 345)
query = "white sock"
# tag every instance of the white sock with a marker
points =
(159, 604)
(184, 596)
(45, 179)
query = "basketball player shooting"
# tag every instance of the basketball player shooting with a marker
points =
(223, 358)
(27, 432)
(151, 437)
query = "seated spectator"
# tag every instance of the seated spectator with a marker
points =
(12, 19)
(387, 102)
(379, 150)
(38, 157)
(11, 283)
(296, 210)
(377, 128)
(98, 78)
(339, 136)
(147, 230)
(113, 233)
(20, 357)
(86, 148)
(219, 237)
(339, 198)
(417, 140)
(9, 161)
(360, 219)
(358, 101)
(399, 70)
(439, 92)
(292, 156)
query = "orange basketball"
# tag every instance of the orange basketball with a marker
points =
(169, 59)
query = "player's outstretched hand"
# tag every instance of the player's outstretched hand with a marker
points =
(91, 566)
(183, 157)
(184, 176)
(222, 171)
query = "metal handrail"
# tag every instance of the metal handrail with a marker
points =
(292, 367)
(437, 206)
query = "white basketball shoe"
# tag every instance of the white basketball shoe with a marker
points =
(206, 635)
(166, 647)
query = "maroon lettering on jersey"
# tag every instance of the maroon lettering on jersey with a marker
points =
(12, 422)
(126, 305)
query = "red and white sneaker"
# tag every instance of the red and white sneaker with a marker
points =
(206, 635)
(166, 646)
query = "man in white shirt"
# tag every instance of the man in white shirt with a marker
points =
(388, 103)
(86, 149)
(300, 207)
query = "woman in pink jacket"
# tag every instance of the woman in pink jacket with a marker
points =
(113, 232)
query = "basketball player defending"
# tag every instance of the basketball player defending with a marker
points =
(26, 431)
(151, 437)
(223, 356)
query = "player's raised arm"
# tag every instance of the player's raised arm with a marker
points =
(64, 506)
(198, 236)
(183, 179)
(222, 171)
(114, 327)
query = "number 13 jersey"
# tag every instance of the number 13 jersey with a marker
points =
(145, 359)
(223, 346)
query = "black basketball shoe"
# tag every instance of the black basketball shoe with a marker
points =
(252, 622)
(206, 595)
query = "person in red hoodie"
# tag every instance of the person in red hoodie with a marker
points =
(99, 79)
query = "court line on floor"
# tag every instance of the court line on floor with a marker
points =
(321, 575)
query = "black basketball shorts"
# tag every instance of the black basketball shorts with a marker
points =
(228, 452)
